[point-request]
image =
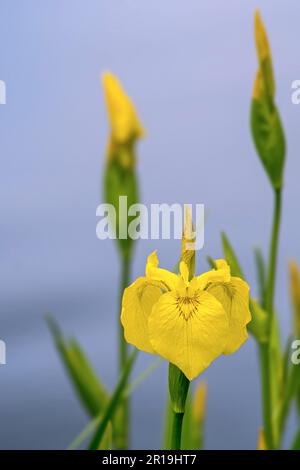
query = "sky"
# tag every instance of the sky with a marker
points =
(189, 67)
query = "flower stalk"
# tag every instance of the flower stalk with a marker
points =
(122, 435)
(178, 389)
(120, 179)
(269, 140)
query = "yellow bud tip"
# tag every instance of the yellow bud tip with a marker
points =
(199, 403)
(261, 441)
(123, 118)
(184, 271)
(261, 38)
(295, 292)
(294, 276)
(188, 240)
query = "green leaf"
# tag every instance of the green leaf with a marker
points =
(89, 388)
(261, 275)
(113, 403)
(286, 359)
(291, 382)
(231, 258)
(193, 423)
(276, 370)
(258, 326)
(92, 425)
(187, 426)
(178, 388)
(144, 375)
(168, 424)
(298, 400)
(296, 442)
(211, 262)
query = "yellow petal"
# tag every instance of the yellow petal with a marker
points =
(188, 333)
(295, 293)
(264, 57)
(261, 38)
(137, 303)
(221, 274)
(188, 242)
(162, 277)
(125, 124)
(234, 296)
(184, 271)
(261, 441)
(199, 402)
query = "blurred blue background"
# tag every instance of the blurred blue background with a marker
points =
(189, 67)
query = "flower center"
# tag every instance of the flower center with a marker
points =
(187, 304)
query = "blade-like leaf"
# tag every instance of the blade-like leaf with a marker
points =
(296, 442)
(113, 403)
(193, 423)
(231, 258)
(168, 424)
(90, 390)
(276, 369)
(261, 275)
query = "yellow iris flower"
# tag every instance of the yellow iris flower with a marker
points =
(188, 322)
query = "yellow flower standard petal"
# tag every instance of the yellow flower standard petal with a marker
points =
(125, 124)
(188, 242)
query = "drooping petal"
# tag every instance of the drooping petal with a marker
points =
(234, 296)
(137, 303)
(162, 277)
(190, 332)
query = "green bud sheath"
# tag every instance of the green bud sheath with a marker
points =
(178, 388)
(267, 131)
(268, 138)
(120, 180)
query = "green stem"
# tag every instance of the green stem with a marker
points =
(266, 392)
(123, 349)
(176, 431)
(122, 437)
(264, 348)
(114, 400)
(273, 255)
(178, 389)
